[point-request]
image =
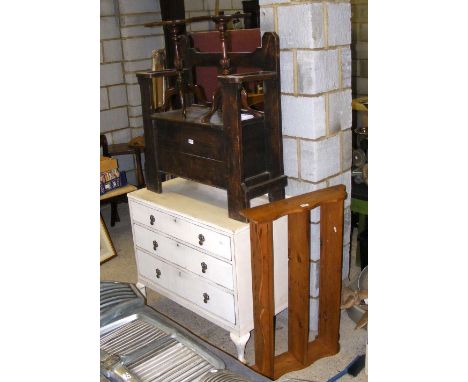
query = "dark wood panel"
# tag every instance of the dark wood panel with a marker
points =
(195, 140)
(253, 141)
(195, 168)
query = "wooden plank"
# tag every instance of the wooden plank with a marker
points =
(275, 210)
(261, 237)
(298, 284)
(301, 353)
(331, 260)
(205, 170)
(153, 181)
(234, 150)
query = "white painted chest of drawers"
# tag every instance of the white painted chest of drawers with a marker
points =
(188, 250)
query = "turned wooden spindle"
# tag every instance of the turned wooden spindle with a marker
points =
(174, 31)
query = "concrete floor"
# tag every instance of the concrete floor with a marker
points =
(123, 268)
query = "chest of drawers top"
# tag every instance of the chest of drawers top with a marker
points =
(193, 201)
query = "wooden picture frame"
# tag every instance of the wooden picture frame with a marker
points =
(107, 249)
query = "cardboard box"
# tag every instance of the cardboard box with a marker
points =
(108, 164)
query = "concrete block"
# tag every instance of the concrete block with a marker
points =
(104, 99)
(317, 71)
(141, 47)
(290, 157)
(267, 20)
(125, 161)
(315, 241)
(343, 178)
(130, 78)
(296, 187)
(109, 28)
(136, 122)
(225, 4)
(320, 159)
(139, 19)
(210, 4)
(287, 72)
(138, 132)
(131, 177)
(314, 278)
(339, 23)
(266, 2)
(134, 111)
(195, 5)
(138, 6)
(313, 314)
(201, 26)
(111, 74)
(112, 50)
(345, 267)
(309, 17)
(133, 95)
(117, 95)
(107, 8)
(346, 67)
(347, 226)
(237, 5)
(109, 138)
(114, 119)
(122, 136)
(339, 111)
(140, 30)
(135, 66)
(346, 149)
(102, 54)
(315, 213)
(303, 116)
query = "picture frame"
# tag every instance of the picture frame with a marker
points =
(107, 249)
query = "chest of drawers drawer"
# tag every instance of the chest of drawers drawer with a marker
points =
(206, 266)
(177, 227)
(188, 286)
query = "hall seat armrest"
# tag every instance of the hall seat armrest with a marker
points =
(246, 77)
(157, 73)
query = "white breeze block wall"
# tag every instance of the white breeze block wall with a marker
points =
(126, 47)
(195, 8)
(315, 38)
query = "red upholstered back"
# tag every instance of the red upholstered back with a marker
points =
(240, 40)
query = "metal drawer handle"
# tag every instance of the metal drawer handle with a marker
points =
(155, 245)
(204, 267)
(206, 297)
(158, 273)
(152, 219)
(201, 239)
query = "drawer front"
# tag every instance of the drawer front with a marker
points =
(190, 233)
(186, 257)
(188, 286)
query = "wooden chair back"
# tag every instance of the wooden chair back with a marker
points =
(301, 352)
